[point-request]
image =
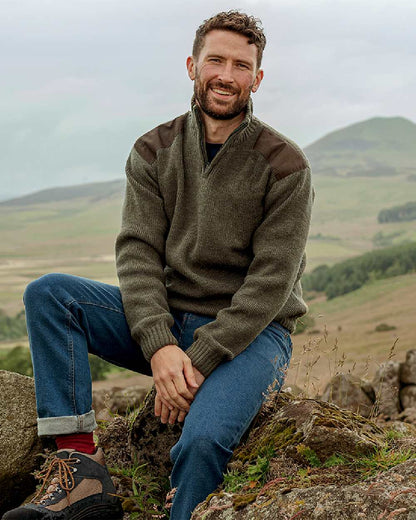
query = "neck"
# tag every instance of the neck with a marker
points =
(218, 130)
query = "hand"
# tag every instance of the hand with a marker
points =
(171, 416)
(174, 377)
(166, 415)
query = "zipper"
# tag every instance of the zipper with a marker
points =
(208, 166)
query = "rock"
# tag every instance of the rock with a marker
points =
(118, 400)
(386, 385)
(391, 494)
(151, 441)
(349, 392)
(408, 368)
(408, 396)
(19, 444)
(408, 416)
(285, 422)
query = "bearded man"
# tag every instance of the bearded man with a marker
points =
(209, 258)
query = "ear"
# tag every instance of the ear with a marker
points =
(258, 80)
(190, 65)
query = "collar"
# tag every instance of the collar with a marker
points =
(238, 134)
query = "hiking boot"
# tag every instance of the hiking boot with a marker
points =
(79, 488)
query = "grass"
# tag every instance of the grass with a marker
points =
(142, 503)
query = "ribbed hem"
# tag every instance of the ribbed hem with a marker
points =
(155, 338)
(288, 323)
(67, 424)
(204, 356)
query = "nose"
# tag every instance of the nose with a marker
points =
(226, 73)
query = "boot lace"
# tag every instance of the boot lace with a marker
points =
(57, 475)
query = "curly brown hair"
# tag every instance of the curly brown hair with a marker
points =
(234, 21)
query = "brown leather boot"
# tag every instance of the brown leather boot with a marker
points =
(79, 487)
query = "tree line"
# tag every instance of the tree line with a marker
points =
(12, 327)
(402, 213)
(353, 273)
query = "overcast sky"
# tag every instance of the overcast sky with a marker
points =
(82, 79)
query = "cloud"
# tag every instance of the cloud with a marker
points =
(83, 79)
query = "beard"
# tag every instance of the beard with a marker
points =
(215, 108)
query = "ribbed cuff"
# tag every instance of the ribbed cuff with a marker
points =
(204, 356)
(155, 338)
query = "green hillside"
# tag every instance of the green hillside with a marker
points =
(381, 146)
(93, 191)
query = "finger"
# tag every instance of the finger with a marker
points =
(174, 415)
(188, 372)
(174, 398)
(158, 406)
(182, 389)
(164, 415)
(163, 396)
(181, 416)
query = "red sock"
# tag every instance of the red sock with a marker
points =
(83, 442)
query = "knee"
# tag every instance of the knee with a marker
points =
(200, 446)
(39, 288)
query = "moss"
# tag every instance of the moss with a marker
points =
(241, 501)
(267, 440)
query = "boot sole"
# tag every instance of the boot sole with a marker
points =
(99, 512)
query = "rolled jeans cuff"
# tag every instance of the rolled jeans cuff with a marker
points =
(66, 425)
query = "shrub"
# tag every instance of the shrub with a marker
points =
(19, 360)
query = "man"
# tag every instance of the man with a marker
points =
(209, 258)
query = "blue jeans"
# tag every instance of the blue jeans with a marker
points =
(68, 317)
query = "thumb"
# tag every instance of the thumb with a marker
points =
(188, 372)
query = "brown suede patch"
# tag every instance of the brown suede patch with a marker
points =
(160, 137)
(85, 488)
(283, 156)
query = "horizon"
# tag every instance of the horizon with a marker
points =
(76, 93)
(122, 177)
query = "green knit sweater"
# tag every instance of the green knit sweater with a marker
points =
(224, 239)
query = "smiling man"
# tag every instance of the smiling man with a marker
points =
(209, 258)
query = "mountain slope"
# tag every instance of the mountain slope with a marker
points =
(95, 191)
(377, 146)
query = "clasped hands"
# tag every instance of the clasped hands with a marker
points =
(176, 381)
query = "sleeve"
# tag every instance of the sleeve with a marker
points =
(278, 246)
(140, 258)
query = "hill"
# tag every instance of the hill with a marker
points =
(94, 191)
(381, 146)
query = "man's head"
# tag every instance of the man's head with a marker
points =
(234, 21)
(225, 63)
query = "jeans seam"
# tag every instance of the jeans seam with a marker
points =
(71, 355)
(96, 305)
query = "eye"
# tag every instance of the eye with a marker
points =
(242, 66)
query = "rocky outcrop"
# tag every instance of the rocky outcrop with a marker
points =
(308, 459)
(391, 394)
(121, 401)
(390, 495)
(386, 384)
(351, 393)
(19, 444)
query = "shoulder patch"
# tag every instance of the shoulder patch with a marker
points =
(160, 137)
(284, 156)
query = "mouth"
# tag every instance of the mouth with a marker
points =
(221, 92)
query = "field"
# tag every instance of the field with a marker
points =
(77, 236)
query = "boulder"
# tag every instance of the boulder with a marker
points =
(386, 385)
(19, 444)
(349, 392)
(391, 494)
(408, 396)
(408, 368)
(285, 422)
(118, 400)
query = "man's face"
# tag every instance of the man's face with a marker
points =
(225, 74)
